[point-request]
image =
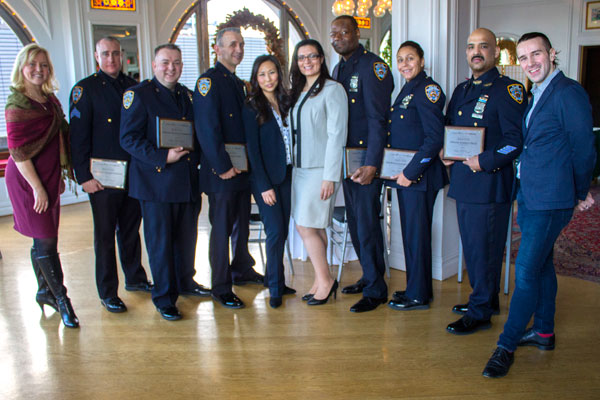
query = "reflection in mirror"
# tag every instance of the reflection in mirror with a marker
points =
(127, 35)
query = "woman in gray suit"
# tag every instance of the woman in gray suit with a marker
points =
(320, 127)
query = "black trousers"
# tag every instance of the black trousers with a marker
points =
(363, 207)
(229, 215)
(416, 215)
(483, 229)
(171, 231)
(114, 211)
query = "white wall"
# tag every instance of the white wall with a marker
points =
(563, 21)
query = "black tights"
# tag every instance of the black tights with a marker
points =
(45, 247)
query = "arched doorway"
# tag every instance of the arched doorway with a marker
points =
(195, 31)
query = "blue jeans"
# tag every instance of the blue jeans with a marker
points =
(535, 279)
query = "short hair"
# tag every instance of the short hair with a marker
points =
(26, 55)
(221, 32)
(348, 18)
(545, 42)
(414, 45)
(108, 38)
(168, 46)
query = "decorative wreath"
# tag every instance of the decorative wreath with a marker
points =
(245, 19)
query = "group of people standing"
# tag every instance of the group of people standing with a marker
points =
(295, 138)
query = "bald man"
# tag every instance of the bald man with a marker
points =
(482, 184)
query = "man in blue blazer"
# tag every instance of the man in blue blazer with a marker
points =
(482, 185)
(95, 110)
(555, 173)
(369, 85)
(218, 101)
(165, 181)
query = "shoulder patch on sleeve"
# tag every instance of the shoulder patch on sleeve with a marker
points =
(516, 91)
(128, 99)
(204, 86)
(381, 70)
(433, 93)
(77, 92)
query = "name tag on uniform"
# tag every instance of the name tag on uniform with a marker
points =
(110, 173)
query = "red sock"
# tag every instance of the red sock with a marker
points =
(545, 335)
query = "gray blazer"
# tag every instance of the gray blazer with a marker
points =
(323, 130)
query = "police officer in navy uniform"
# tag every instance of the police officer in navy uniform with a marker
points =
(218, 102)
(95, 108)
(369, 85)
(165, 181)
(482, 185)
(417, 124)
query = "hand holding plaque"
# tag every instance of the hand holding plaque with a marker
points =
(172, 133)
(394, 162)
(110, 173)
(462, 142)
(354, 158)
(237, 155)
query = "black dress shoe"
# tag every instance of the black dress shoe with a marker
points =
(256, 279)
(170, 313)
(461, 309)
(354, 289)
(113, 304)
(403, 303)
(288, 290)
(275, 302)
(367, 304)
(467, 325)
(199, 291)
(139, 287)
(229, 300)
(531, 338)
(499, 363)
(307, 296)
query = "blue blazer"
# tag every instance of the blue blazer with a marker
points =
(369, 85)
(218, 101)
(417, 123)
(505, 103)
(150, 177)
(95, 110)
(558, 153)
(266, 151)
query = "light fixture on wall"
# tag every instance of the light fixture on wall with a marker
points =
(347, 7)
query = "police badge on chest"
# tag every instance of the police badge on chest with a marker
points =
(353, 83)
(480, 107)
(406, 101)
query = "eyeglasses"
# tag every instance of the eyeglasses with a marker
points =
(311, 57)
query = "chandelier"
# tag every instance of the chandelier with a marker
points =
(346, 7)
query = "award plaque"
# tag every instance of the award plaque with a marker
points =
(172, 133)
(394, 162)
(354, 158)
(110, 173)
(461, 142)
(237, 155)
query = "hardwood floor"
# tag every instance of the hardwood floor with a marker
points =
(294, 352)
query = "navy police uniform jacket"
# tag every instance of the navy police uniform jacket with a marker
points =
(150, 177)
(95, 115)
(369, 85)
(218, 101)
(417, 123)
(558, 152)
(266, 151)
(496, 103)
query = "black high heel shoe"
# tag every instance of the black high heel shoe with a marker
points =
(317, 302)
(307, 296)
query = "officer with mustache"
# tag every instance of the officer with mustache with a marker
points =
(482, 184)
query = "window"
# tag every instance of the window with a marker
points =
(13, 35)
(186, 34)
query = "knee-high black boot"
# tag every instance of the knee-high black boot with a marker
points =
(50, 267)
(44, 294)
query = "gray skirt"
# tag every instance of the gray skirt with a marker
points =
(308, 209)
